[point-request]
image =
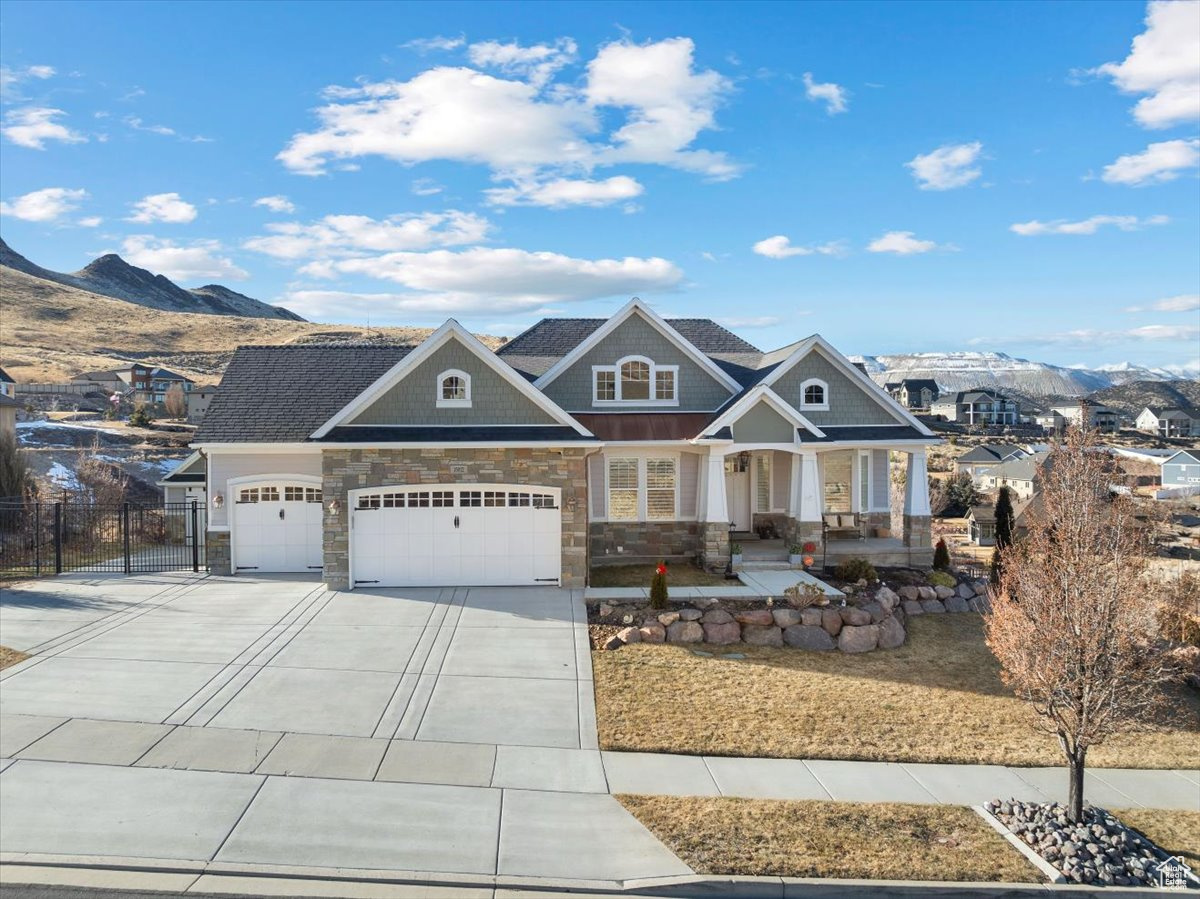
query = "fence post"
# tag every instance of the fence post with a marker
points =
(58, 538)
(125, 533)
(195, 538)
(37, 539)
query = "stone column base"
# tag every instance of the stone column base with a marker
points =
(918, 532)
(217, 552)
(714, 544)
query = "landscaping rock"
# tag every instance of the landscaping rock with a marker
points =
(605, 610)
(786, 617)
(630, 635)
(653, 633)
(957, 604)
(614, 642)
(760, 617)
(855, 616)
(831, 621)
(875, 610)
(666, 619)
(943, 593)
(814, 617)
(685, 632)
(722, 634)
(814, 639)
(854, 638)
(690, 614)
(891, 633)
(760, 635)
(717, 616)
(981, 588)
(912, 607)
(927, 593)
(979, 604)
(932, 606)
(910, 592)
(887, 598)
(965, 590)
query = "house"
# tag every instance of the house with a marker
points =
(1182, 469)
(981, 524)
(141, 384)
(1020, 475)
(913, 393)
(580, 441)
(1099, 417)
(977, 407)
(980, 459)
(186, 482)
(8, 416)
(1168, 422)
(198, 401)
(159, 383)
(8, 387)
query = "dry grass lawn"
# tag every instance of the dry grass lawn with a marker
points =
(1177, 832)
(11, 657)
(809, 838)
(938, 698)
(680, 574)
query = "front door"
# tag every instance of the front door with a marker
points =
(737, 492)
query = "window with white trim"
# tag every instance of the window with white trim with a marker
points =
(453, 389)
(661, 480)
(864, 481)
(814, 394)
(636, 380)
(762, 482)
(622, 489)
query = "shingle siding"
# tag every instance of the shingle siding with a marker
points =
(849, 402)
(762, 424)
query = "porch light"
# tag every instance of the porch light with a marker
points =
(218, 500)
(335, 507)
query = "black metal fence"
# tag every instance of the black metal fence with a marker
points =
(39, 539)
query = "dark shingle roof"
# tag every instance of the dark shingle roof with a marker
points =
(871, 432)
(284, 393)
(920, 384)
(4, 376)
(8, 401)
(989, 452)
(435, 434)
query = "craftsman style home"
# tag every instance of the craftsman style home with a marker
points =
(578, 442)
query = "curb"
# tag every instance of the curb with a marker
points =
(1052, 873)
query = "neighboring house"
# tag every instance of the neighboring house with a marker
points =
(198, 401)
(1100, 418)
(981, 459)
(138, 383)
(579, 441)
(8, 416)
(1182, 469)
(8, 386)
(913, 393)
(1168, 422)
(1021, 476)
(977, 407)
(185, 497)
(161, 380)
(981, 524)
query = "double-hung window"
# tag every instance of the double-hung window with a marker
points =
(642, 489)
(623, 489)
(661, 477)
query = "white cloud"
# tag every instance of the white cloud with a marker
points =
(523, 129)
(538, 63)
(1159, 162)
(190, 262)
(1089, 337)
(46, 205)
(780, 247)
(947, 167)
(426, 187)
(833, 95)
(563, 192)
(1181, 303)
(750, 322)
(347, 235)
(91, 221)
(902, 243)
(11, 78)
(1164, 63)
(32, 126)
(170, 208)
(493, 280)
(434, 44)
(1087, 226)
(276, 203)
(138, 125)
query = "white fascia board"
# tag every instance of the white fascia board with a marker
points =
(451, 329)
(633, 307)
(850, 370)
(226, 448)
(771, 398)
(465, 444)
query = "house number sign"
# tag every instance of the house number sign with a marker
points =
(458, 469)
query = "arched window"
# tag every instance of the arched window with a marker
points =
(453, 389)
(635, 380)
(814, 394)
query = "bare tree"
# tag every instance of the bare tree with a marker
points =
(175, 401)
(16, 480)
(1072, 622)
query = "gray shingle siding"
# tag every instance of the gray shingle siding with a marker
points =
(762, 424)
(413, 401)
(697, 389)
(880, 484)
(849, 402)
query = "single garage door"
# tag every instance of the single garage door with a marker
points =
(277, 527)
(456, 534)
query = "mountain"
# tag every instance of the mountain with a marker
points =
(964, 370)
(112, 276)
(1134, 396)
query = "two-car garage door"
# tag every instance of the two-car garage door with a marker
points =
(455, 534)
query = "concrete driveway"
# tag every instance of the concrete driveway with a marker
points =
(269, 721)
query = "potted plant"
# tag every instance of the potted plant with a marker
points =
(795, 554)
(735, 553)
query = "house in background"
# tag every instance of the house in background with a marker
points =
(8, 387)
(913, 393)
(1019, 475)
(1168, 422)
(136, 383)
(198, 401)
(579, 442)
(977, 407)
(1061, 416)
(161, 380)
(981, 524)
(1182, 469)
(981, 459)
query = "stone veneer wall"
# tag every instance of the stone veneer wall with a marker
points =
(344, 470)
(218, 553)
(714, 544)
(642, 541)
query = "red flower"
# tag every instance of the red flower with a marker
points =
(661, 569)
(809, 547)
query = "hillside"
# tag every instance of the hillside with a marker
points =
(1135, 396)
(50, 331)
(112, 276)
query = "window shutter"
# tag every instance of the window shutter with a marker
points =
(596, 485)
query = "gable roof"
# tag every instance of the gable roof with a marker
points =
(1024, 469)
(919, 384)
(703, 329)
(1173, 412)
(191, 470)
(451, 330)
(752, 397)
(1190, 456)
(6, 400)
(990, 452)
(5, 377)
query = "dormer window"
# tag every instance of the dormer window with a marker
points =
(635, 380)
(814, 395)
(454, 390)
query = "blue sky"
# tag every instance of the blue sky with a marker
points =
(898, 176)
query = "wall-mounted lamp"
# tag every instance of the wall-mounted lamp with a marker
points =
(335, 507)
(218, 500)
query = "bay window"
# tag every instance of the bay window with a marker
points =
(635, 380)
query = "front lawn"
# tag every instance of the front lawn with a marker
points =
(1178, 832)
(679, 574)
(811, 838)
(938, 698)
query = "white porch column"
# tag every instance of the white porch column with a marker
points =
(810, 487)
(916, 486)
(794, 492)
(716, 507)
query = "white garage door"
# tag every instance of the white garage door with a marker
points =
(277, 527)
(456, 534)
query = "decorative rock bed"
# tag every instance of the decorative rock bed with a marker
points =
(869, 617)
(1100, 850)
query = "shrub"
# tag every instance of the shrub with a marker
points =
(658, 587)
(15, 477)
(941, 579)
(941, 555)
(1179, 613)
(801, 596)
(140, 418)
(995, 569)
(855, 569)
